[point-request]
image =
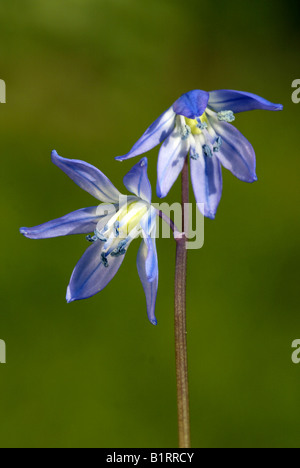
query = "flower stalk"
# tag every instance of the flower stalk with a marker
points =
(180, 322)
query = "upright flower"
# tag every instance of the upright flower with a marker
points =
(199, 123)
(114, 224)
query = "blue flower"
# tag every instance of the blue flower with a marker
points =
(115, 224)
(199, 123)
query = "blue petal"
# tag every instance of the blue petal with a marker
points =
(238, 101)
(207, 183)
(88, 177)
(79, 222)
(90, 275)
(150, 287)
(192, 104)
(137, 182)
(155, 135)
(236, 153)
(148, 224)
(171, 160)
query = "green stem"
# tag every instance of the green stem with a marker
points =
(180, 322)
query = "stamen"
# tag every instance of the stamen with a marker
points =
(186, 131)
(207, 151)
(117, 227)
(100, 236)
(218, 144)
(91, 239)
(195, 156)
(104, 260)
(120, 250)
(226, 116)
(201, 125)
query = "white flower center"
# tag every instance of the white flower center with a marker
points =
(121, 229)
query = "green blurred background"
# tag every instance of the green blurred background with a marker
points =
(87, 77)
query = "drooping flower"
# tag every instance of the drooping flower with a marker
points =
(199, 123)
(114, 224)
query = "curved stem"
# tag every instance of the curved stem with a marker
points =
(180, 321)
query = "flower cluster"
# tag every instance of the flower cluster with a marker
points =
(199, 125)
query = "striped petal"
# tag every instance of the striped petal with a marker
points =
(137, 182)
(192, 104)
(148, 225)
(207, 183)
(88, 177)
(236, 153)
(90, 275)
(171, 160)
(153, 136)
(239, 101)
(79, 222)
(147, 265)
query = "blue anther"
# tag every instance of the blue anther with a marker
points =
(118, 253)
(195, 156)
(186, 132)
(218, 144)
(117, 227)
(207, 151)
(120, 250)
(226, 116)
(104, 260)
(100, 236)
(201, 125)
(91, 238)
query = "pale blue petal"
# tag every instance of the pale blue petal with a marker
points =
(206, 177)
(236, 153)
(90, 276)
(239, 101)
(148, 224)
(137, 181)
(171, 160)
(192, 104)
(155, 135)
(79, 222)
(150, 287)
(88, 177)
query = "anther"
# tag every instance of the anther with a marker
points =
(186, 131)
(104, 260)
(117, 227)
(226, 116)
(201, 125)
(91, 239)
(195, 156)
(120, 250)
(100, 236)
(207, 151)
(218, 144)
